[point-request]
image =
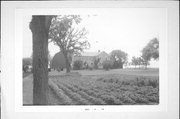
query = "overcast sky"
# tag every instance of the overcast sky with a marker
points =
(128, 29)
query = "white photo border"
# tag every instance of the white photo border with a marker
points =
(12, 97)
(21, 13)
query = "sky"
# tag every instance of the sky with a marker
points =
(127, 29)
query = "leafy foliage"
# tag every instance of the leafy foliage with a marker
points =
(26, 63)
(78, 64)
(139, 61)
(67, 36)
(119, 58)
(107, 64)
(134, 61)
(96, 61)
(151, 50)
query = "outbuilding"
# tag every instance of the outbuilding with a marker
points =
(58, 62)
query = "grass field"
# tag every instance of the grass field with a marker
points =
(99, 87)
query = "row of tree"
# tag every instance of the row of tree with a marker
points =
(138, 61)
(118, 58)
(150, 51)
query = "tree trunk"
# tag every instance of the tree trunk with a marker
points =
(146, 66)
(39, 27)
(67, 63)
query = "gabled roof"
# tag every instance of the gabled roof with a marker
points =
(90, 53)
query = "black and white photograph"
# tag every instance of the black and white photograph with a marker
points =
(109, 59)
(96, 59)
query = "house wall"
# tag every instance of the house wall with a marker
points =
(90, 59)
(103, 56)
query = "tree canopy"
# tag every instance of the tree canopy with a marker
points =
(67, 36)
(27, 61)
(64, 34)
(151, 50)
(134, 61)
(139, 61)
(119, 58)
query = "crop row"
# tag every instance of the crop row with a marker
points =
(74, 95)
(60, 93)
(83, 94)
(98, 92)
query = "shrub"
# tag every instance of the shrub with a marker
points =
(25, 68)
(153, 99)
(141, 83)
(153, 83)
(107, 64)
(96, 61)
(85, 65)
(100, 79)
(117, 64)
(27, 62)
(125, 83)
(109, 99)
(90, 68)
(141, 99)
(78, 64)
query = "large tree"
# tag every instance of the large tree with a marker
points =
(70, 39)
(39, 26)
(119, 58)
(151, 51)
(138, 61)
(134, 61)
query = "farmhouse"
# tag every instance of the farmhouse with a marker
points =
(90, 57)
(58, 62)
